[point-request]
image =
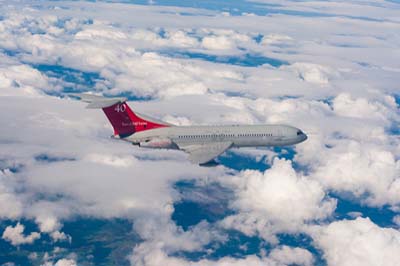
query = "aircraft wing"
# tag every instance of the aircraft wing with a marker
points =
(203, 153)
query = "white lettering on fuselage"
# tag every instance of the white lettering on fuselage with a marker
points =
(134, 124)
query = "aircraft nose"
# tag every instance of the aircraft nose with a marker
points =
(302, 137)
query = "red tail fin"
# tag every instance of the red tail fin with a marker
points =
(125, 122)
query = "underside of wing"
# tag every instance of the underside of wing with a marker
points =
(203, 153)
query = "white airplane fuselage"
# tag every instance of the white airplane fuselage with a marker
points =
(239, 135)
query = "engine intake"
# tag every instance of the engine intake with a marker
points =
(158, 143)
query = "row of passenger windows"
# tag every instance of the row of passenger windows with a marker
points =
(224, 135)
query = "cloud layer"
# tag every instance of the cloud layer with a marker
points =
(314, 65)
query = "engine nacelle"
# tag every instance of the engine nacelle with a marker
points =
(158, 143)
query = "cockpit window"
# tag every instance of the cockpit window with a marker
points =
(299, 132)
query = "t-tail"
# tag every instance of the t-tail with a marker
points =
(124, 121)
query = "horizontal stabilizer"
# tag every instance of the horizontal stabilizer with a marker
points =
(96, 102)
(103, 104)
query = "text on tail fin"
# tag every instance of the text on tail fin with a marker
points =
(125, 122)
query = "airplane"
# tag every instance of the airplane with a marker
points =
(203, 143)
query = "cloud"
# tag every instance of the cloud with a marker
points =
(313, 73)
(358, 242)
(100, 32)
(368, 171)
(172, 238)
(166, 38)
(288, 255)
(10, 204)
(276, 39)
(66, 262)
(345, 105)
(15, 235)
(60, 236)
(47, 223)
(20, 79)
(281, 256)
(278, 200)
(217, 43)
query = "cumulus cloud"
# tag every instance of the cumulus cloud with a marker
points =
(358, 242)
(276, 39)
(60, 236)
(172, 238)
(47, 223)
(180, 38)
(101, 47)
(217, 43)
(290, 256)
(65, 262)
(345, 105)
(20, 79)
(313, 73)
(282, 256)
(278, 200)
(15, 235)
(100, 32)
(368, 171)
(11, 206)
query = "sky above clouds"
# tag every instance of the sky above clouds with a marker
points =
(68, 192)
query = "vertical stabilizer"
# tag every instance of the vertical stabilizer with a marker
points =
(119, 119)
(124, 121)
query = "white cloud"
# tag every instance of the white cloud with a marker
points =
(11, 206)
(100, 32)
(366, 170)
(111, 160)
(224, 40)
(217, 43)
(289, 256)
(47, 223)
(275, 39)
(278, 200)
(179, 121)
(283, 256)
(313, 73)
(15, 235)
(345, 105)
(21, 80)
(48, 215)
(60, 236)
(179, 38)
(358, 242)
(65, 262)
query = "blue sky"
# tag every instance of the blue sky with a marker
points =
(71, 195)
